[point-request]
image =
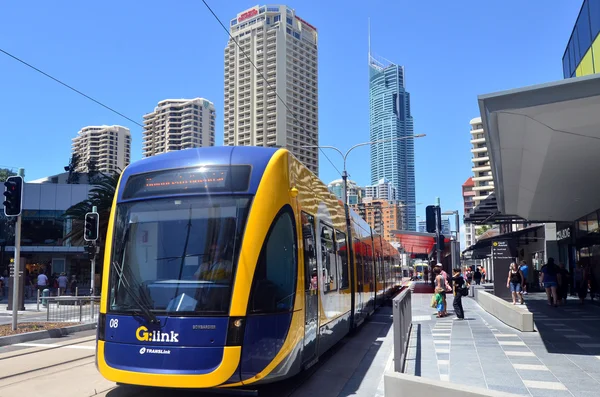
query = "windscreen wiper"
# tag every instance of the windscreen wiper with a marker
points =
(148, 315)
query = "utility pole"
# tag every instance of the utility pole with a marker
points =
(457, 247)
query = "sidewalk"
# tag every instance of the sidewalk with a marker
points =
(562, 359)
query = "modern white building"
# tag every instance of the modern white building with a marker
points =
(482, 171)
(283, 47)
(107, 147)
(177, 124)
(384, 190)
(483, 181)
(355, 192)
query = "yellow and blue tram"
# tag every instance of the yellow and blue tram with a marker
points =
(229, 266)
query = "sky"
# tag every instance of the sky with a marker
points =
(130, 56)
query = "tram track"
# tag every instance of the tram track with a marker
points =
(39, 348)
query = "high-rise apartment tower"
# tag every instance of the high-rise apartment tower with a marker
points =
(108, 148)
(283, 47)
(177, 124)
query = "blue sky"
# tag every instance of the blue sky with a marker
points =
(130, 56)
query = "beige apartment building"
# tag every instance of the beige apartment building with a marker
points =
(177, 124)
(283, 47)
(108, 147)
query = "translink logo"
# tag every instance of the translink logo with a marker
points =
(143, 335)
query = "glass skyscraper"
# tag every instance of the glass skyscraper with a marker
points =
(390, 118)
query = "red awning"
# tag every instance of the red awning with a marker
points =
(418, 244)
(364, 247)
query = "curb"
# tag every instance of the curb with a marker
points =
(49, 333)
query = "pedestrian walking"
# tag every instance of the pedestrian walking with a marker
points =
(515, 282)
(459, 288)
(549, 275)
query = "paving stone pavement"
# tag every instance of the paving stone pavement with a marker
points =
(561, 359)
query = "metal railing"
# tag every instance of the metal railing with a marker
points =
(75, 309)
(402, 311)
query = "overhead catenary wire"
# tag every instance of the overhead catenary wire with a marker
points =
(262, 76)
(68, 86)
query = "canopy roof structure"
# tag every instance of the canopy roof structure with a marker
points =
(416, 242)
(544, 144)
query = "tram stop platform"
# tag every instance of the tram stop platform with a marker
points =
(560, 358)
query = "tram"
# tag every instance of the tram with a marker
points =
(229, 267)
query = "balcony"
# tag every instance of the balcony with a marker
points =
(481, 168)
(477, 140)
(483, 178)
(483, 187)
(477, 159)
(479, 149)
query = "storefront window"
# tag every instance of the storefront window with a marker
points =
(537, 260)
(581, 227)
(42, 228)
(592, 223)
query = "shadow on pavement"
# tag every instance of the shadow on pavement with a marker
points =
(570, 328)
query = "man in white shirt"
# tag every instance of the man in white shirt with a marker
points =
(42, 281)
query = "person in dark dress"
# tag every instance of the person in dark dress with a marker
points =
(565, 278)
(458, 283)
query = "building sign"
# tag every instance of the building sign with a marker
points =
(501, 250)
(502, 256)
(248, 14)
(563, 234)
(306, 23)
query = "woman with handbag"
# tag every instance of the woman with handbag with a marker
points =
(459, 290)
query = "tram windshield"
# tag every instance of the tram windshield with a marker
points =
(176, 255)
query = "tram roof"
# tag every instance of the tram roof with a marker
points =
(257, 157)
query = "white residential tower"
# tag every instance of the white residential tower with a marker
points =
(283, 47)
(107, 147)
(178, 124)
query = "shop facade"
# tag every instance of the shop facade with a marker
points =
(44, 247)
(587, 243)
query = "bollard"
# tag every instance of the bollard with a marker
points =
(45, 295)
(38, 299)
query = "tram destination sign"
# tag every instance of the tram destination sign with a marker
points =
(204, 179)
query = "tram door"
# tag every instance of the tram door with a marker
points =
(311, 325)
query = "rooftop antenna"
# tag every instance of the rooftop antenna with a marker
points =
(369, 36)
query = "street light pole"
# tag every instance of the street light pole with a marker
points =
(456, 243)
(346, 207)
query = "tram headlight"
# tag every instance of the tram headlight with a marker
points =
(235, 331)
(102, 326)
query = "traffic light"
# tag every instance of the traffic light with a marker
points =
(91, 251)
(92, 225)
(13, 196)
(441, 243)
(430, 218)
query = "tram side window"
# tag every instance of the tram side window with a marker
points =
(342, 254)
(275, 278)
(328, 259)
(368, 264)
(360, 276)
(310, 255)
